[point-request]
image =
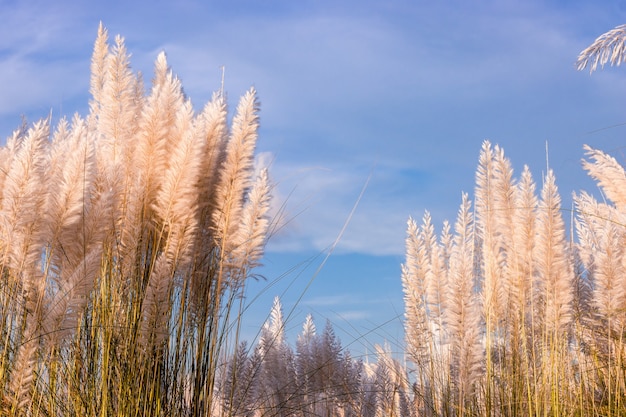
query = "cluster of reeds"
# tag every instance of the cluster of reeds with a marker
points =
(126, 239)
(317, 378)
(507, 316)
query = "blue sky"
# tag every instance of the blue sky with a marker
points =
(400, 92)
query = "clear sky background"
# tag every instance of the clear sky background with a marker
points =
(401, 92)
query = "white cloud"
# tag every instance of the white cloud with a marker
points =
(330, 300)
(352, 315)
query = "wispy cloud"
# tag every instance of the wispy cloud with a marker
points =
(331, 300)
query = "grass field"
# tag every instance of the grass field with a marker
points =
(127, 238)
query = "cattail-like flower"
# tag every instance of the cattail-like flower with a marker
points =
(495, 208)
(417, 328)
(436, 278)
(610, 274)
(73, 163)
(601, 236)
(609, 174)
(463, 313)
(608, 47)
(587, 210)
(98, 68)
(156, 131)
(7, 154)
(176, 200)
(113, 121)
(95, 227)
(521, 264)
(592, 224)
(116, 117)
(504, 207)
(64, 307)
(275, 325)
(486, 223)
(308, 331)
(211, 125)
(554, 271)
(236, 170)
(21, 217)
(252, 232)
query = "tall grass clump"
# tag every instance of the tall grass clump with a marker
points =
(317, 378)
(506, 315)
(126, 239)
